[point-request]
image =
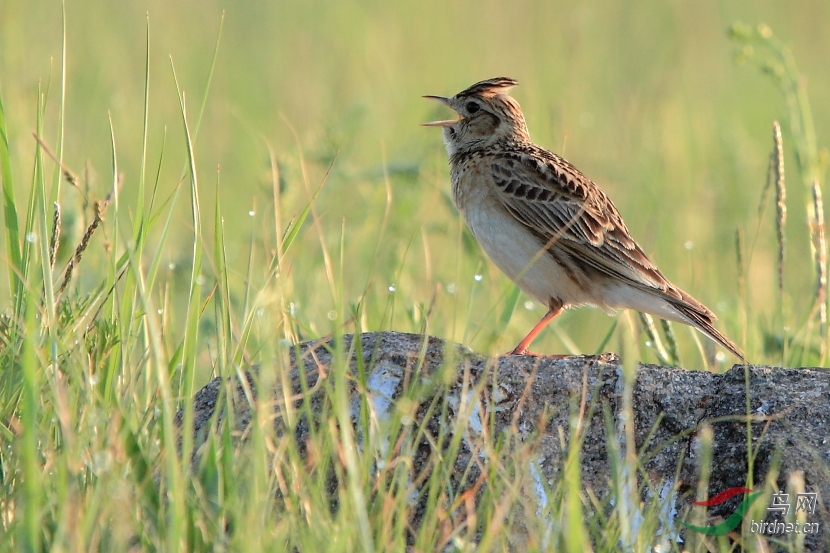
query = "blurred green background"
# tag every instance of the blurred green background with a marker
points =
(644, 97)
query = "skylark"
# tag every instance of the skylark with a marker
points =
(545, 224)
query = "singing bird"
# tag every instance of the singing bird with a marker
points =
(547, 226)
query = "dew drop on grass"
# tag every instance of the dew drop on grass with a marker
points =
(292, 308)
(332, 315)
(392, 289)
(478, 278)
(451, 288)
(31, 238)
(720, 357)
(251, 213)
(688, 244)
(200, 279)
(159, 311)
(529, 305)
(171, 266)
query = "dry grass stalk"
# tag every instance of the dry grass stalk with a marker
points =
(79, 251)
(820, 249)
(54, 240)
(68, 174)
(739, 259)
(99, 208)
(777, 163)
(743, 299)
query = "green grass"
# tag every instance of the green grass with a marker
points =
(252, 180)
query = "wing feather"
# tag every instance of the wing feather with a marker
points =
(572, 215)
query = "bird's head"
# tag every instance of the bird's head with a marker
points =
(486, 116)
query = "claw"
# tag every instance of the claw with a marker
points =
(518, 351)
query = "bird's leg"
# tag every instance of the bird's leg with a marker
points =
(555, 307)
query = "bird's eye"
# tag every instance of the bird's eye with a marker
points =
(472, 107)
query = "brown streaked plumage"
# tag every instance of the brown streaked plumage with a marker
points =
(545, 224)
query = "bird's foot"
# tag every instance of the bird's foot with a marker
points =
(525, 351)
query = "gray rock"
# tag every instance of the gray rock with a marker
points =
(789, 416)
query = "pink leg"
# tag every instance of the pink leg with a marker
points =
(553, 311)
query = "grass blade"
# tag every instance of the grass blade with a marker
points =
(10, 219)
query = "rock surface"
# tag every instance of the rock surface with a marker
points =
(789, 415)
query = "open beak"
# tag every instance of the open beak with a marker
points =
(447, 123)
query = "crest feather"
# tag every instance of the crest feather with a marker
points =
(497, 85)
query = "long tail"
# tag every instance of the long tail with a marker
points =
(702, 319)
